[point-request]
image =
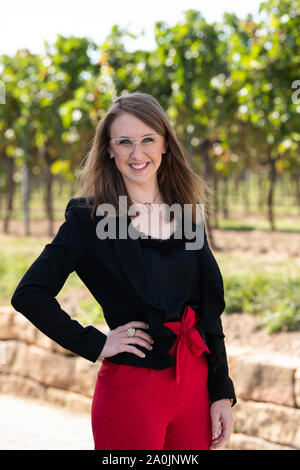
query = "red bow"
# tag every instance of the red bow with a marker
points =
(187, 336)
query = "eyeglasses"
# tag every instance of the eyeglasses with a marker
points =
(148, 144)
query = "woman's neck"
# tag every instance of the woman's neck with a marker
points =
(147, 195)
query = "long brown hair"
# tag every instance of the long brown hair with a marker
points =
(100, 180)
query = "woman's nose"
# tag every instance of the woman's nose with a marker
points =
(137, 151)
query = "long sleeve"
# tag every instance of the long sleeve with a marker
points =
(219, 383)
(35, 294)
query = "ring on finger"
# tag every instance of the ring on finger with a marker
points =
(130, 332)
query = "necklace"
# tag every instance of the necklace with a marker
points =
(146, 203)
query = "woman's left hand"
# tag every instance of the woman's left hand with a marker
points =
(222, 422)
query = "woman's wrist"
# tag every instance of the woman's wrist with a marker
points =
(229, 400)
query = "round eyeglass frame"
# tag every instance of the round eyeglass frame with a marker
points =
(137, 141)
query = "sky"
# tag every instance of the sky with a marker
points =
(27, 23)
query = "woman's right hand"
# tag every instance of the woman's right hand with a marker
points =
(117, 340)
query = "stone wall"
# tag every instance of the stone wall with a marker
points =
(267, 415)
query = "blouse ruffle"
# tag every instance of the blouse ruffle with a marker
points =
(164, 245)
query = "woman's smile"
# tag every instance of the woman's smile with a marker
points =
(139, 167)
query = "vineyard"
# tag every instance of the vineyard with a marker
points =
(231, 92)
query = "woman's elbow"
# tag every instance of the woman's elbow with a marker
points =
(19, 300)
(16, 301)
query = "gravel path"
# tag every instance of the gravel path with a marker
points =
(27, 424)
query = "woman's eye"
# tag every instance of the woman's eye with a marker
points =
(150, 139)
(126, 141)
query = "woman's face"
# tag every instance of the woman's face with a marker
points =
(129, 126)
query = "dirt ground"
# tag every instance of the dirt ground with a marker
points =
(245, 330)
(272, 245)
(242, 330)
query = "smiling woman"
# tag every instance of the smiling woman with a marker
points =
(164, 366)
(135, 132)
(141, 156)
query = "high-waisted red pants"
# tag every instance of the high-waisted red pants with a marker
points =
(137, 408)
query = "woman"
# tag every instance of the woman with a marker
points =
(163, 381)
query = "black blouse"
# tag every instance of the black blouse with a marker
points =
(76, 247)
(174, 271)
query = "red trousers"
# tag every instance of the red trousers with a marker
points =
(137, 408)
